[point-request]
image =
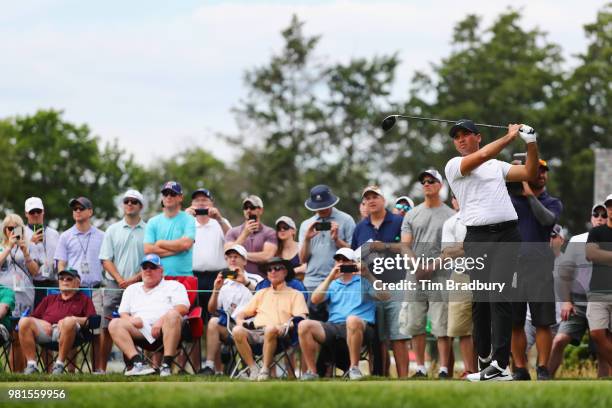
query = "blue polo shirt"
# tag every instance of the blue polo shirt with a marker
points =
(346, 299)
(529, 227)
(389, 231)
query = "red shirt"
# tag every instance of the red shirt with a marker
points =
(53, 308)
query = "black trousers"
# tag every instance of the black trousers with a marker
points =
(492, 313)
(206, 283)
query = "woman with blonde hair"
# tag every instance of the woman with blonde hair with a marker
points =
(16, 265)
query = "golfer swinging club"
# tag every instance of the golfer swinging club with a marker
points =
(478, 180)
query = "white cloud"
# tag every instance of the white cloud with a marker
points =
(158, 81)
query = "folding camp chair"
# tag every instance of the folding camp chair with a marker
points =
(5, 347)
(191, 331)
(284, 348)
(83, 343)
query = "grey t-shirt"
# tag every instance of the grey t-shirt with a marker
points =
(425, 224)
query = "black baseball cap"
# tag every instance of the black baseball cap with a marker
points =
(464, 124)
(70, 271)
(84, 201)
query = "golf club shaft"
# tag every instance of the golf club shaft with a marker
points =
(448, 121)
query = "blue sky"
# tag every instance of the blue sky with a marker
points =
(160, 76)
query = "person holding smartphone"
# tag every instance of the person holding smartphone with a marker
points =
(42, 241)
(259, 240)
(351, 316)
(320, 236)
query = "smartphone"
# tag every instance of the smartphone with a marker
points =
(348, 268)
(18, 232)
(228, 274)
(201, 211)
(37, 227)
(252, 217)
(323, 226)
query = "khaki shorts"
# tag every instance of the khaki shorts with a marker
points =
(599, 315)
(413, 318)
(460, 309)
(43, 338)
(111, 298)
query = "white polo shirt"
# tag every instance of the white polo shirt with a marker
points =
(152, 305)
(234, 295)
(208, 246)
(482, 194)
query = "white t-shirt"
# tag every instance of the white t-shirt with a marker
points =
(575, 257)
(482, 194)
(453, 231)
(152, 305)
(208, 247)
(233, 296)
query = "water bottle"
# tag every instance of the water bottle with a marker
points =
(25, 313)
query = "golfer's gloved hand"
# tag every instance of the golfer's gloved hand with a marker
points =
(527, 134)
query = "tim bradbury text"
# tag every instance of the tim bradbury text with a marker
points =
(448, 285)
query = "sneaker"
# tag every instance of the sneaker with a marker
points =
(355, 373)
(165, 370)
(99, 372)
(309, 376)
(483, 363)
(264, 375)
(492, 373)
(521, 374)
(58, 368)
(419, 374)
(30, 369)
(543, 374)
(254, 373)
(207, 372)
(465, 374)
(140, 369)
(443, 375)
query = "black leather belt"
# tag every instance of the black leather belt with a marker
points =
(502, 226)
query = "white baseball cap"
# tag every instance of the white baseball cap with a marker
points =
(348, 253)
(134, 194)
(608, 200)
(239, 249)
(374, 189)
(33, 203)
(430, 172)
(598, 205)
(286, 220)
(406, 198)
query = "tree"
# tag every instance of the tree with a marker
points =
(57, 160)
(196, 168)
(309, 123)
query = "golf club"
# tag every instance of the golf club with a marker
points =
(389, 121)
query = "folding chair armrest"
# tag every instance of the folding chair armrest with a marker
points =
(195, 312)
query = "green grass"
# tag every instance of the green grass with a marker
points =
(189, 391)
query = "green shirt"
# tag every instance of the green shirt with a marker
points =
(7, 297)
(123, 245)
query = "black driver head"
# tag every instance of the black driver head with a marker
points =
(388, 123)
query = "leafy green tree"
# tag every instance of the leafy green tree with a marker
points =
(310, 123)
(57, 160)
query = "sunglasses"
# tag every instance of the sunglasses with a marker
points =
(130, 201)
(283, 228)
(10, 228)
(276, 268)
(149, 267)
(78, 209)
(404, 207)
(428, 181)
(36, 211)
(170, 193)
(249, 207)
(66, 278)
(598, 214)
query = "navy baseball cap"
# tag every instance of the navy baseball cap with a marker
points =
(83, 201)
(204, 191)
(152, 259)
(464, 124)
(173, 186)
